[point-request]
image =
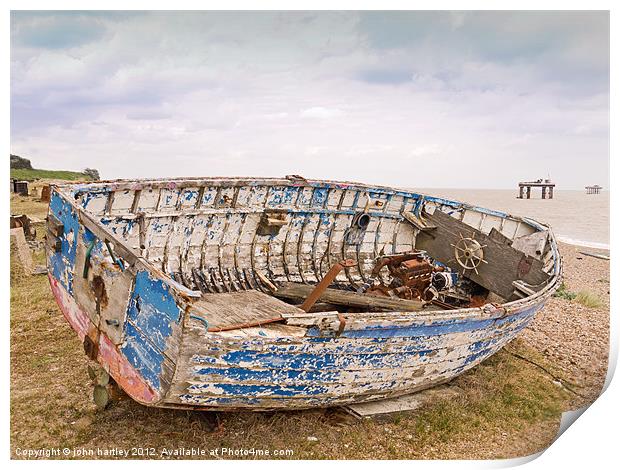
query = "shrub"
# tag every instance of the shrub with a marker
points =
(564, 293)
(92, 173)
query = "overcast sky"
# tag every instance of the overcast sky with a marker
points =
(413, 99)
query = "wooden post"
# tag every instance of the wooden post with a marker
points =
(45, 193)
(23, 250)
(544, 192)
(529, 191)
(550, 192)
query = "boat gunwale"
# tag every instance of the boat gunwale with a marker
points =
(498, 311)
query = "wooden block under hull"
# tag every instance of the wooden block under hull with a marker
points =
(410, 402)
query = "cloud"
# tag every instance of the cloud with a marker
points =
(429, 150)
(386, 76)
(147, 115)
(319, 112)
(403, 98)
(560, 47)
(55, 32)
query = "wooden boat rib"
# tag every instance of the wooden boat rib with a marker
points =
(188, 291)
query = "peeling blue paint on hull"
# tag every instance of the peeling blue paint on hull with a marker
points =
(137, 261)
(277, 374)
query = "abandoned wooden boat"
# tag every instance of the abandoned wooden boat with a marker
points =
(239, 293)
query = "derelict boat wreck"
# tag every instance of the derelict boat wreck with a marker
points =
(259, 293)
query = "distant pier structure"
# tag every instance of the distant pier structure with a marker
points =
(596, 189)
(525, 188)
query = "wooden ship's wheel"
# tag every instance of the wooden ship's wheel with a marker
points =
(469, 253)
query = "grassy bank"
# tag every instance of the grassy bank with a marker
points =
(508, 406)
(34, 174)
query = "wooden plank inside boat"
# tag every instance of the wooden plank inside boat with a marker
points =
(503, 266)
(499, 237)
(233, 310)
(296, 291)
(532, 245)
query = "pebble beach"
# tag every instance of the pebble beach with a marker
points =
(572, 336)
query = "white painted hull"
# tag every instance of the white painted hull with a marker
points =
(172, 240)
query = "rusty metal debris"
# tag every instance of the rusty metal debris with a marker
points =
(410, 274)
(325, 283)
(416, 276)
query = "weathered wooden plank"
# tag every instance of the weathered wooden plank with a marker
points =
(329, 367)
(233, 370)
(595, 255)
(499, 237)
(409, 402)
(335, 391)
(295, 291)
(504, 264)
(532, 245)
(268, 341)
(23, 251)
(232, 310)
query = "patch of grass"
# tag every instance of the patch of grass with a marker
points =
(564, 293)
(503, 393)
(588, 299)
(31, 175)
(584, 297)
(29, 205)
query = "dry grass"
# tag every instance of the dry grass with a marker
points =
(508, 406)
(588, 299)
(584, 297)
(30, 205)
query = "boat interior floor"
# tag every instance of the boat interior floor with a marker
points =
(243, 309)
(249, 308)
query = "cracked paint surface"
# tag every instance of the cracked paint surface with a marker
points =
(151, 313)
(210, 226)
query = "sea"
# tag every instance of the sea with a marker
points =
(574, 216)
